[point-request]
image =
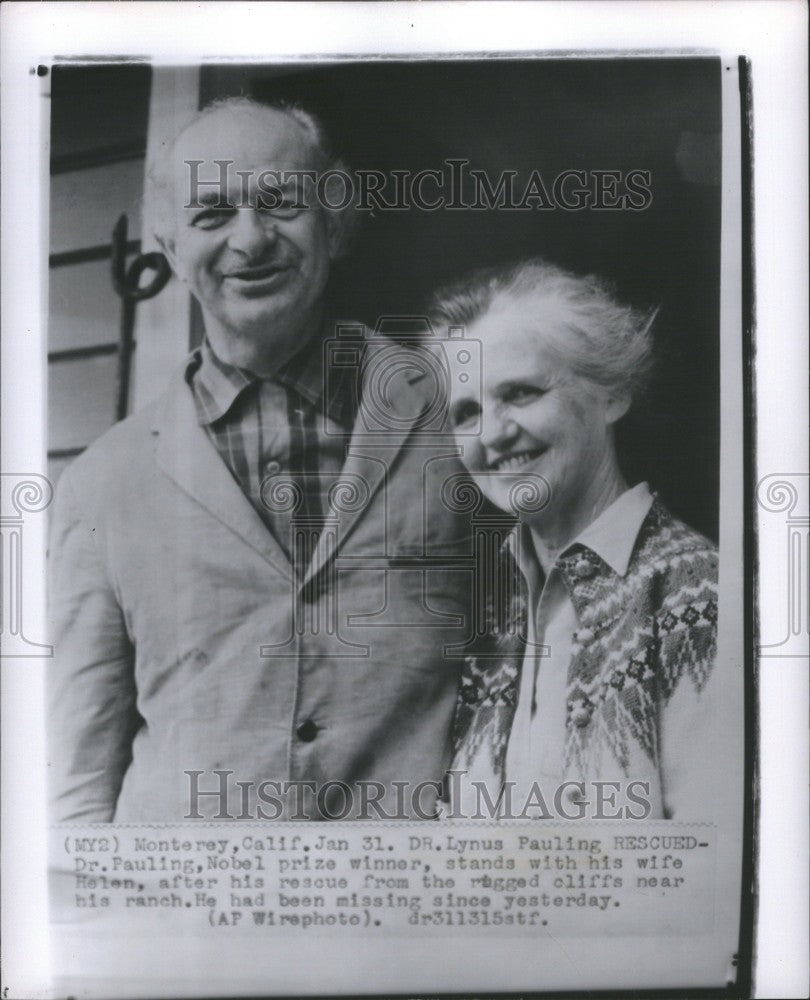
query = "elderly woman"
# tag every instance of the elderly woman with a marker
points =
(601, 669)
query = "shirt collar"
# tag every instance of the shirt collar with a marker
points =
(612, 536)
(217, 384)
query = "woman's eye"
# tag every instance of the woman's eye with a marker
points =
(212, 218)
(519, 394)
(465, 413)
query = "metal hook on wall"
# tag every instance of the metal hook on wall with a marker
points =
(126, 282)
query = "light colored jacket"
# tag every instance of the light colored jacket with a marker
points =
(183, 643)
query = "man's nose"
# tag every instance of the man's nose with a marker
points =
(251, 232)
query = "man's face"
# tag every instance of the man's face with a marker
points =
(541, 425)
(258, 271)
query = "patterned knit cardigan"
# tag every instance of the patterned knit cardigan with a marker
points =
(640, 637)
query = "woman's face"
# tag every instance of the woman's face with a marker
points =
(543, 433)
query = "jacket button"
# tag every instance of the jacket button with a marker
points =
(272, 468)
(307, 731)
(581, 716)
(584, 569)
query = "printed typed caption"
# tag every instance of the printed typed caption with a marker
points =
(569, 878)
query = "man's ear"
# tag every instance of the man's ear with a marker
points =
(335, 235)
(616, 406)
(166, 244)
(341, 227)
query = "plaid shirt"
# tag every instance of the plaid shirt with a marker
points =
(274, 434)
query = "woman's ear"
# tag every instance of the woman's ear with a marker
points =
(616, 406)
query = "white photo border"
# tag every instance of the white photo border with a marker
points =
(38, 33)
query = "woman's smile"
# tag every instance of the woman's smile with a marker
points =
(516, 460)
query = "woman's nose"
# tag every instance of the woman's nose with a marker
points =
(497, 430)
(251, 232)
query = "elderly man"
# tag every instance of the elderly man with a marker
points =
(252, 582)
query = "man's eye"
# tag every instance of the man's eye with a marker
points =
(286, 208)
(465, 413)
(212, 218)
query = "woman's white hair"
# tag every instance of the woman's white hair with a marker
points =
(607, 343)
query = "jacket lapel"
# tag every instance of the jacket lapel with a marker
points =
(372, 454)
(185, 453)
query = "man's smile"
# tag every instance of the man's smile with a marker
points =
(256, 273)
(259, 279)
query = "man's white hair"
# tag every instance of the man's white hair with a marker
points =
(160, 174)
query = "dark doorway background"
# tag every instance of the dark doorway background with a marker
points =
(661, 115)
